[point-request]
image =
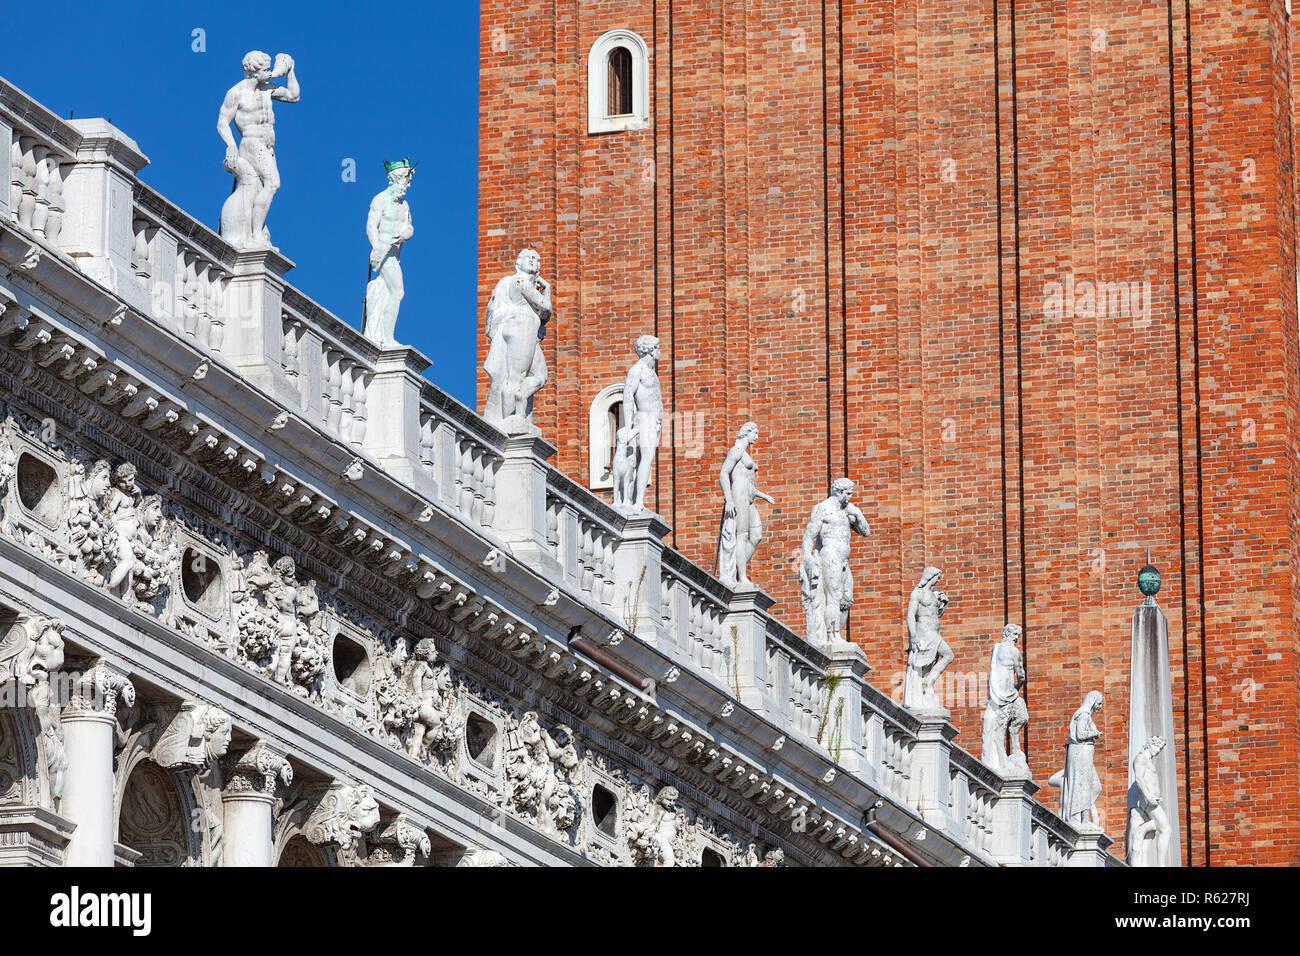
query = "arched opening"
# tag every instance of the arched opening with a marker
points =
(152, 820)
(38, 488)
(481, 740)
(618, 83)
(11, 759)
(351, 666)
(201, 581)
(604, 810)
(618, 99)
(711, 858)
(299, 852)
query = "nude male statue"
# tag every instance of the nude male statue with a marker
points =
(643, 408)
(928, 654)
(826, 583)
(1148, 818)
(388, 226)
(257, 178)
(515, 324)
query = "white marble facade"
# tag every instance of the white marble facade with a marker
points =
(206, 471)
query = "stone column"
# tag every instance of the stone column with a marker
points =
(88, 724)
(931, 780)
(393, 435)
(638, 561)
(520, 517)
(845, 735)
(1013, 818)
(98, 229)
(255, 324)
(247, 798)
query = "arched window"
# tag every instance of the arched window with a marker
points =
(619, 67)
(618, 83)
(602, 435)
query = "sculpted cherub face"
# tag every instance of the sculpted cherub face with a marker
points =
(99, 480)
(151, 511)
(47, 656)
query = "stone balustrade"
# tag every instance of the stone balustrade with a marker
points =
(73, 191)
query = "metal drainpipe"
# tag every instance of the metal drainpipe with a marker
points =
(584, 647)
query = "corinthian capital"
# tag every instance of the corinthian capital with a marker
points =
(399, 843)
(95, 690)
(256, 771)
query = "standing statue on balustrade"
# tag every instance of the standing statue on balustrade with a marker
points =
(1005, 714)
(825, 581)
(515, 325)
(1080, 785)
(643, 408)
(928, 654)
(248, 105)
(742, 526)
(388, 226)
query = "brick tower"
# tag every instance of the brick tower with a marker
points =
(1025, 272)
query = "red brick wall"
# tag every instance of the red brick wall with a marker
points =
(866, 269)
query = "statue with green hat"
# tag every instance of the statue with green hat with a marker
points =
(388, 226)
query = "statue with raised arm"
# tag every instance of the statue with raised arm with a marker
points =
(742, 527)
(825, 581)
(248, 105)
(388, 226)
(1150, 833)
(928, 654)
(643, 409)
(515, 325)
(1005, 713)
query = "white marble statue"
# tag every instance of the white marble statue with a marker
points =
(1005, 714)
(825, 581)
(742, 526)
(31, 654)
(928, 654)
(1079, 783)
(388, 226)
(122, 507)
(515, 324)
(248, 104)
(643, 410)
(1150, 832)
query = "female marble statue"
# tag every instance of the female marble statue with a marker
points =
(742, 528)
(1080, 785)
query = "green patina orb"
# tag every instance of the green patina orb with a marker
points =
(1149, 580)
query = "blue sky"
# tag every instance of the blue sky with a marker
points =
(378, 81)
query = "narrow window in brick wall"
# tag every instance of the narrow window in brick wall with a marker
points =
(606, 418)
(618, 83)
(619, 98)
